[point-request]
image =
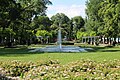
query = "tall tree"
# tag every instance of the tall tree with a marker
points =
(63, 21)
(30, 10)
(18, 14)
(93, 21)
(9, 13)
(110, 14)
(41, 25)
(103, 17)
(78, 23)
(42, 22)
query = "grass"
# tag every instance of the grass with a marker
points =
(22, 54)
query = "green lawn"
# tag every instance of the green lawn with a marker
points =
(22, 54)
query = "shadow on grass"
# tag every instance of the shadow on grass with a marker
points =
(94, 49)
(110, 50)
(103, 49)
(24, 51)
(15, 52)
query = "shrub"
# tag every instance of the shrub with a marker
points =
(52, 70)
(84, 69)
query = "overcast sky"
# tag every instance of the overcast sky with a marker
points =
(69, 7)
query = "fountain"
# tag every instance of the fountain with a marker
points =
(59, 47)
(59, 39)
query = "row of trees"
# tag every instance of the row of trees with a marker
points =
(103, 18)
(23, 21)
(16, 17)
(48, 28)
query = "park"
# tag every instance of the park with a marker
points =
(34, 46)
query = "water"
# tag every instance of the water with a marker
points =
(63, 49)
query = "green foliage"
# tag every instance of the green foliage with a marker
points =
(41, 22)
(80, 34)
(103, 17)
(92, 33)
(110, 17)
(17, 15)
(78, 23)
(42, 33)
(61, 20)
(93, 20)
(9, 32)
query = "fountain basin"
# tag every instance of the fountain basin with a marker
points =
(58, 49)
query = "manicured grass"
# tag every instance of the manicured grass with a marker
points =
(22, 54)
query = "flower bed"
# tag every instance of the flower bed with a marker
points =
(52, 70)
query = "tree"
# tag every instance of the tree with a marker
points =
(61, 20)
(103, 17)
(43, 35)
(110, 15)
(42, 22)
(78, 23)
(30, 10)
(9, 11)
(93, 20)
(17, 16)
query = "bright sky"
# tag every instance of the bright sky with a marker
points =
(70, 8)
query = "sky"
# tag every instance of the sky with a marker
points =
(70, 8)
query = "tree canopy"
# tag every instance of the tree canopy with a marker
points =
(103, 17)
(61, 20)
(16, 17)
